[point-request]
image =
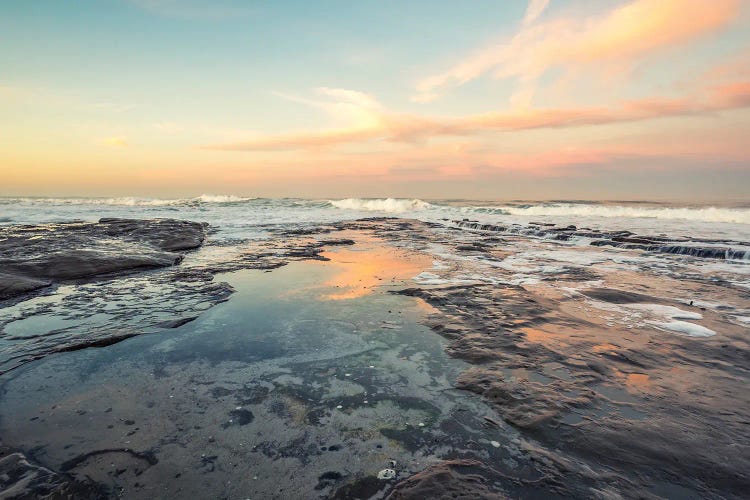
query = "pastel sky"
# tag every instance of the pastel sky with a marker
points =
(635, 99)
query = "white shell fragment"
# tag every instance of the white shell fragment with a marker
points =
(386, 474)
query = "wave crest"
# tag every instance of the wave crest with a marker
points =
(221, 198)
(705, 214)
(389, 205)
(133, 201)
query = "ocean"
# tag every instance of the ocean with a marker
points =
(236, 216)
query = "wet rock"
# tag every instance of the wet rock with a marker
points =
(362, 488)
(34, 256)
(147, 456)
(70, 264)
(176, 323)
(461, 479)
(338, 242)
(13, 284)
(21, 478)
(721, 249)
(328, 479)
(242, 416)
(619, 296)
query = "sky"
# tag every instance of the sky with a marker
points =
(545, 99)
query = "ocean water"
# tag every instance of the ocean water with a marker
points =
(236, 216)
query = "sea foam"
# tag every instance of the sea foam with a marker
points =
(685, 328)
(706, 214)
(133, 201)
(389, 205)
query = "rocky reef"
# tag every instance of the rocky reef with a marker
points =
(33, 257)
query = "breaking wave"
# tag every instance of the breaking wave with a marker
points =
(705, 214)
(389, 205)
(132, 201)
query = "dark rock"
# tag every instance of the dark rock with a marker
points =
(619, 296)
(13, 284)
(338, 242)
(32, 257)
(327, 479)
(20, 478)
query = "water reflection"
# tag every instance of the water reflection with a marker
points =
(361, 269)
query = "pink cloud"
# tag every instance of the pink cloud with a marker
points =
(636, 29)
(383, 125)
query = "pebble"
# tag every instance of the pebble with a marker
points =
(386, 474)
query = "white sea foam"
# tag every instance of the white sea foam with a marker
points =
(426, 278)
(389, 205)
(132, 201)
(221, 198)
(685, 328)
(668, 312)
(706, 214)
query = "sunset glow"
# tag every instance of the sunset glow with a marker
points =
(502, 100)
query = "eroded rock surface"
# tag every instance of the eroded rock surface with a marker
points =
(35, 256)
(21, 478)
(575, 361)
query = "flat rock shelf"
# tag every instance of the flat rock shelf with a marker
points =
(371, 358)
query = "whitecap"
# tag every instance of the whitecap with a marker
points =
(685, 328)
(389, 205)
(705, 214)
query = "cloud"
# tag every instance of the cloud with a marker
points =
(355, 109)
(118, 141)
(534, 10)
(637, 29)
(370, 121)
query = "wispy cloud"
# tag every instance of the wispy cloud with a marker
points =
(350, 107)
(370, 121)
(534, 10)
(637, 29)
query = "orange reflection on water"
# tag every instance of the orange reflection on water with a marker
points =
(535, 335)
(359, 272)
(605, 348)
(638, 381)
